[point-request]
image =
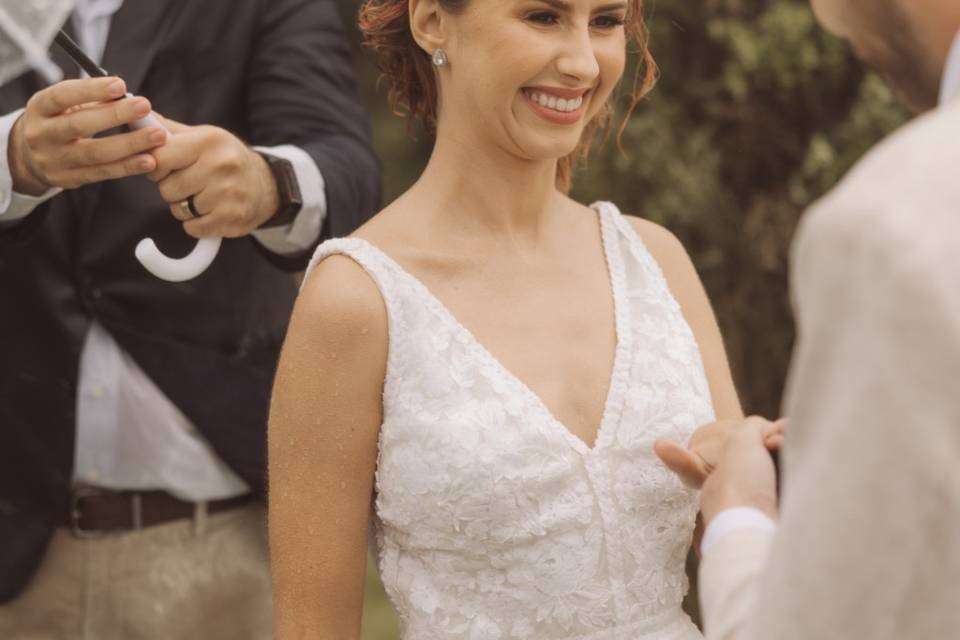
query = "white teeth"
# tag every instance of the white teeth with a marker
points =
(557, 104)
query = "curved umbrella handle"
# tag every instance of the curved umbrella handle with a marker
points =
(177, 269)
(163, 266)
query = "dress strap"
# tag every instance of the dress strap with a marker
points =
(642, 269)
(384, 273)
(360, 251)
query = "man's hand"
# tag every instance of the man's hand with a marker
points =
(745, 475)
(52, 144)
(232, 186)
(696, 461)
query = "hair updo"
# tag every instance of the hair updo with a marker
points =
(385, 25)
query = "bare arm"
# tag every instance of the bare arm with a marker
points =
(688, 290)
(325, 420)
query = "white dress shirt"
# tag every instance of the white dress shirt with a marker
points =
(739, 518)
(129, 434)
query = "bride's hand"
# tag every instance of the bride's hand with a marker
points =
(694, 463)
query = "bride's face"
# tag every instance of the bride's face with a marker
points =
(528, 75)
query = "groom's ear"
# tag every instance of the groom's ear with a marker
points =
(427, 25)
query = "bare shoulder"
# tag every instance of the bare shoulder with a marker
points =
(341, 308)
(665, 247)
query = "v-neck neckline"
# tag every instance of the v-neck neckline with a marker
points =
(613, 401)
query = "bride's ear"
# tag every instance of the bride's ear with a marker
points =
(427, 25)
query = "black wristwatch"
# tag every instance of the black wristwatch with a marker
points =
(288, 189)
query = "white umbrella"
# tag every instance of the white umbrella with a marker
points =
(27, 28)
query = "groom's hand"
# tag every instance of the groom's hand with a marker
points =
(695, 462)
(744, 476)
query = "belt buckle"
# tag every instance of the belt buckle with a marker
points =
(79, 493)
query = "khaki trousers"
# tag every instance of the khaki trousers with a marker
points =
(183, 580)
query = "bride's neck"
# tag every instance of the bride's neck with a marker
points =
(493, 193)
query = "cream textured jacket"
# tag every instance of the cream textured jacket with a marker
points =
(868, 546)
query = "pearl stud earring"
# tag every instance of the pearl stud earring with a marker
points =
(440, 58)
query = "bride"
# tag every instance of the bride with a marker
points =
(479, 374)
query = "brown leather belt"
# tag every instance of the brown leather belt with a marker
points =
(94, 512)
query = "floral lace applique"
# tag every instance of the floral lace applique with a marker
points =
(492, 521)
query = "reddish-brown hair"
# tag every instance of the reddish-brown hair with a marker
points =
(385, 25)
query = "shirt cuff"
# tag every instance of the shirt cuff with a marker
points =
(734, 519)
(14, 206)
(301, 234)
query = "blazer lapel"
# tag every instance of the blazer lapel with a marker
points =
(136, 33)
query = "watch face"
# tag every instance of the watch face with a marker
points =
(288, 191)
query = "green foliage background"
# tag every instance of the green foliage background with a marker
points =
(757, 113)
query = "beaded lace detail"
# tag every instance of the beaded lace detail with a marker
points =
(492, 520)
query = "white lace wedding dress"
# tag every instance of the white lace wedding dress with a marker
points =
(492, 520)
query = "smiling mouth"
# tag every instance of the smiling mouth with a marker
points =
(553, 103)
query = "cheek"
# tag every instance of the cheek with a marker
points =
(488, 67)
(612, 60)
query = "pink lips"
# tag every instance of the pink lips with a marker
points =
(552, 115)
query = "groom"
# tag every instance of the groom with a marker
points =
(868, 541)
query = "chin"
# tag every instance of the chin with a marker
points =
(547, 151)
(543, 146)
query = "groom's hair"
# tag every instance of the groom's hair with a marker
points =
(385, 25)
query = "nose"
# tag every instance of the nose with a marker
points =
(578, 59)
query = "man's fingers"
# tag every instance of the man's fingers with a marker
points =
(181, 151)
(93, 152)
(88, 122)
(775, 428)
(56, 99)
(208, 226)
(688, 466)
(172, 125)
(180, 185)
(133, 166)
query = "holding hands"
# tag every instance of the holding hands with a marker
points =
(731, 461)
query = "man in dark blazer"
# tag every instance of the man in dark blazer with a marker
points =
(132, 410)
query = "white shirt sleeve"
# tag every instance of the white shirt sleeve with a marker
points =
(734, 519)
(13, 205)
(304, 231)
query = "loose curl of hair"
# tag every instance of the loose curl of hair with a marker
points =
(385, 25)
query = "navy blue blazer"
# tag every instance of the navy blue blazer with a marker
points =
(271, 71)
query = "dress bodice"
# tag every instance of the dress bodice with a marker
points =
(492, 520)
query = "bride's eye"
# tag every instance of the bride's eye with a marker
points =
(608, 22)
(545, 18)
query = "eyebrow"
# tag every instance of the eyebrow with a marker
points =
(562, 5)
